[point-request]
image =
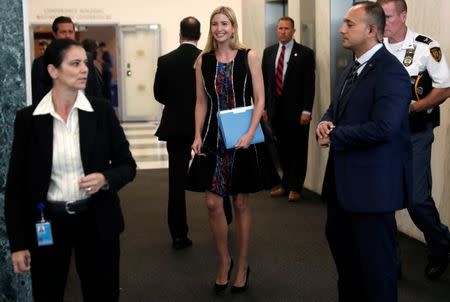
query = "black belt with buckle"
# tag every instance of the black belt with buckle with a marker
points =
(69, 207)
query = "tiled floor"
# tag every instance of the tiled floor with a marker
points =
(148, 152)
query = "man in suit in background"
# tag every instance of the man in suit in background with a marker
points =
(174, 87)
(422, 58)
(42, 47)
(62, 28)
(107, 61)
(289, 80)
(369, 170)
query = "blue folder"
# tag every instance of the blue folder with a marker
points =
(234, 123)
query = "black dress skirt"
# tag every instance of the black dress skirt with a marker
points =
(221, 171)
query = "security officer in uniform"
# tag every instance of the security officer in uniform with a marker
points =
(430, 80)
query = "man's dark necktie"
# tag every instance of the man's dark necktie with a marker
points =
(349, 80)
(279, 73)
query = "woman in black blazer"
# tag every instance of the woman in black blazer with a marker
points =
(69, 158)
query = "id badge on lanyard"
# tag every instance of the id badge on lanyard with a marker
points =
(43, 229)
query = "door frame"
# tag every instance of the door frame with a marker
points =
(31, 45)
(121, 89)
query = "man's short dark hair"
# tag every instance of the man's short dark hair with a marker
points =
(375, 15)
(61, 20)
(286, 18)
(90, 45)
(190, 29)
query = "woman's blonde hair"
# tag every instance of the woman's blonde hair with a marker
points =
(211, 44)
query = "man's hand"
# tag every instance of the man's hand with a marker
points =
(305, 118)
(323, 129)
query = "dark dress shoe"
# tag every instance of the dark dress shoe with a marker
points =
(278, 192)
(436, 267)
(220, 288)
(294, 196)
(241, 289)
(181, 243)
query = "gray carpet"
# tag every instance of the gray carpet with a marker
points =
(289, 256)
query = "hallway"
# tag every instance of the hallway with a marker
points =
(289, 255)
(148, 152)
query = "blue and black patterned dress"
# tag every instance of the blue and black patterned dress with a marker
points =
(228, 172)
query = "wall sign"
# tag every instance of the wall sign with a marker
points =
(77, 14)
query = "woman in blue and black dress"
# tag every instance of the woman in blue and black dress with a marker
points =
(228, 76)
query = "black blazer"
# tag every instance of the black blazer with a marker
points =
(104, 148)
(298, 86)
(371, 148)
(174, 87)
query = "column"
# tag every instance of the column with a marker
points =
(12, 98)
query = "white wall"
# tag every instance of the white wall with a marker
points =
(294, 13)
(317, 157)
(167, 13)
(253, 25)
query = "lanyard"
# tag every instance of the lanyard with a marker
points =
(41, 207)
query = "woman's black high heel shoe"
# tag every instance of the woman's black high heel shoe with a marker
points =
(220, 288)
(241, 289)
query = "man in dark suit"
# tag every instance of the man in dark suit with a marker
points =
(62, 28)
(174, 87)
(107, 70)
(289, 80)
(369, 170)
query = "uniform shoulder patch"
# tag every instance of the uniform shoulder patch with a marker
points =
(423, 39)
(436, 53)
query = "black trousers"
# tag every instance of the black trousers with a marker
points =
(179, 155)
(96, 260)
(363, 246)
(292, 148)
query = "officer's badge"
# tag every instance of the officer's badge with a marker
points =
(420, 90)
(436, 53)
(409, 55)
